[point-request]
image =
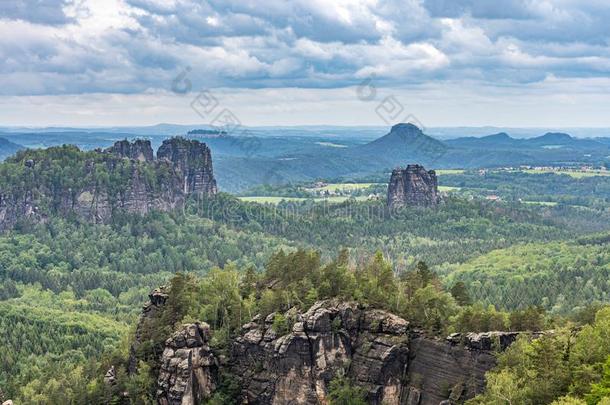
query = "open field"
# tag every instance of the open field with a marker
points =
(271, 200)
(545, 203)
(449, 171)
(448, 189)
(277, 200)
(344, 186)
(577, 174)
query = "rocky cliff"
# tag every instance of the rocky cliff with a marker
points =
(369, 346)
(413, 186)
(189, 369)
(92, 185)
(194, 160)
(381, 353)
(140, 150)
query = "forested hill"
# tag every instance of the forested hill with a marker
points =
(65, 181)
(70, 289)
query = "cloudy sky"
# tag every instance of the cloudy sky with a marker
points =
(295, 62)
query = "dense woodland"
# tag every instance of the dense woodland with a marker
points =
(572, 356)
(586, 191)
(71, 291)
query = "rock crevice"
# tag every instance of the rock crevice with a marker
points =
(189, 370)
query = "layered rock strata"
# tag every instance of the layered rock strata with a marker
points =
(413, 186)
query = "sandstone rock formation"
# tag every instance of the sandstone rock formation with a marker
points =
(194, 160)
(151, 309)
(445, 370)
(382, 353)
(133, 182)
(139, 150)
(110, 376)
(92, 201)
(189, 370)
(370, 346)
(413, 186)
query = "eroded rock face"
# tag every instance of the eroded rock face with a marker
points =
(139, 150)
(189, 370)
(380, 352)
(92, 202)
(13, 207)
(140, 184)
(370, 346)
(194, 160)
(453, 370)
(413, 186)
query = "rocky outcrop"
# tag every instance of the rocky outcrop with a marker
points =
(413, 186)
(453, 370)
(442, 370)
(189, 370)
(110, 376)
(139, 150)
(294, 362)
(369, 346)
(194, 160)
(150, 311)
(123, 178)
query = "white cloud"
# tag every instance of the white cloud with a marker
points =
(140, 46)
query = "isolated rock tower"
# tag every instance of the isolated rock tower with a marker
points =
(413, 186)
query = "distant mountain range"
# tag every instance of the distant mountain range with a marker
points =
(363, 132)
(8, 148)
(406, 143)
(294, 155)
(548, 140)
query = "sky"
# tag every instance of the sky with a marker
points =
(519, 63)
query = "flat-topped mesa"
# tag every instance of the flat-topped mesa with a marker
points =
(413, 186)
(139, 149)
(194, 160)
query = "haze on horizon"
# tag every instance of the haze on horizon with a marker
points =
(511, 63)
